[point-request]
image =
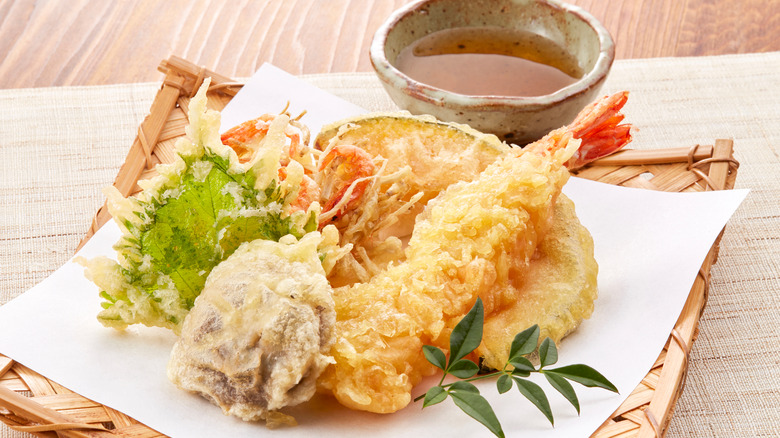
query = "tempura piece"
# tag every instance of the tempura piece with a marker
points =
(259, 334)
(556, 291)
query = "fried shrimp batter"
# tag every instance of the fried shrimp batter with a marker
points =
(475, 239)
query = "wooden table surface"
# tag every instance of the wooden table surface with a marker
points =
(90, 42)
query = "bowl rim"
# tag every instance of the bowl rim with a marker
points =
(392, 76)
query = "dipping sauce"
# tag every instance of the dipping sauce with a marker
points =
(489, 61)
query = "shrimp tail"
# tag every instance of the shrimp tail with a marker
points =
(599, 127)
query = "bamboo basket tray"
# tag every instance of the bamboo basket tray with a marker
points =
(31, 403)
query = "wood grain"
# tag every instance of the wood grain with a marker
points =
(89, 42)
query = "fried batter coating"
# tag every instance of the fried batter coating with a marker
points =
(437, 153)
(471, 241)
(259, 334)
(557, 290)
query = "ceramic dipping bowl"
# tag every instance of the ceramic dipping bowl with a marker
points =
(515, 119)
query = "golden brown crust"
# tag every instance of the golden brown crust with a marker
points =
(557, 291)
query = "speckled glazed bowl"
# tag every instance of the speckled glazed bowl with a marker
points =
(517, 120)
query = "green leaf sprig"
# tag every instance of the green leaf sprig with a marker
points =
(466, 337)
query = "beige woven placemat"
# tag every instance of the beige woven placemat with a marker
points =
(60, 146)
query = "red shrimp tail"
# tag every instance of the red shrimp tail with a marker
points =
(600, 129)
(600, 145)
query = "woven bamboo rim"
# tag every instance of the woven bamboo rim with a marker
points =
(32, 403)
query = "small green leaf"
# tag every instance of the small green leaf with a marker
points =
(548, 353)
(311, 224)
(525, 342)
(461, 386)
(520, 373)
(106, 296)
(435, 356)
(535, 394)
(504, 383)
(565, 388)
(584, 375)
(467, 335)
(463, 369)
(522, 366)
(435, 395)
(476, 407)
